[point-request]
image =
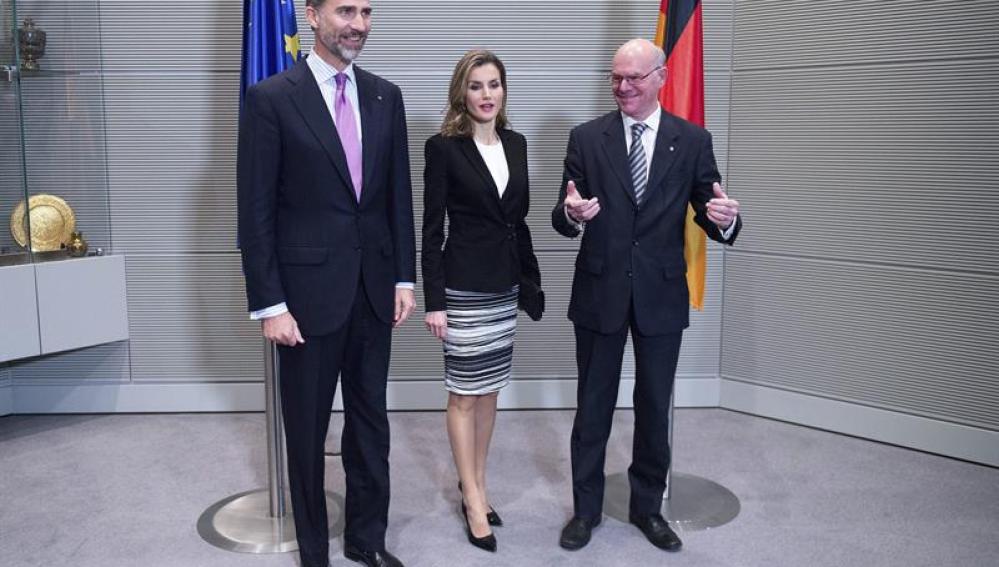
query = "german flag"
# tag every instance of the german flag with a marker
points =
(679, 33)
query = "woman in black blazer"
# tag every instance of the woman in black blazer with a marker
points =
(476, 176)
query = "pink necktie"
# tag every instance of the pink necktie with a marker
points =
(346, 127)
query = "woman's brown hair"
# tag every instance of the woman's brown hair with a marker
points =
(457, 121)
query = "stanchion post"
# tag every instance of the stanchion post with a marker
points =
(275, 431)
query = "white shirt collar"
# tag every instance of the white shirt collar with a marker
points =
(652, 120)
(324, 72)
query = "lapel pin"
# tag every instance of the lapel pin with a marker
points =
(671, 148)
(379, 97)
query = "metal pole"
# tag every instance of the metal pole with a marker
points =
(275, 431)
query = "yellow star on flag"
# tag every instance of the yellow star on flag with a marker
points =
(291, 45)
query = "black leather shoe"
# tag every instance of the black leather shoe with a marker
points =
(371, 558)
(492, 517)
(576, 534)
(657, 531)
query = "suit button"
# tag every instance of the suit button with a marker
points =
(509, 237)
(629, 273)
(634, 243)
(509, 225)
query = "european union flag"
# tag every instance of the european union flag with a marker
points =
(270, 40)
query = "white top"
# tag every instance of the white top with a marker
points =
(496, 162)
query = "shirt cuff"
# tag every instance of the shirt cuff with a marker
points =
(405, 285)
(267, 313)
(727, 233)
(578, 225)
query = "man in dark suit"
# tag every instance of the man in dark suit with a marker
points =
(628, 178)
(327, 238)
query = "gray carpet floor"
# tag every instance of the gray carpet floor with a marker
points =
(128, 490)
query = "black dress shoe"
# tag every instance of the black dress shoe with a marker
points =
(576, 534)
(492, 517)
(487, 542)
(657, 531)
(371, 558)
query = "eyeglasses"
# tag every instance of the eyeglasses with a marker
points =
(616, 80)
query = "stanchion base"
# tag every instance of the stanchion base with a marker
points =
(243, 523)
(695, 503)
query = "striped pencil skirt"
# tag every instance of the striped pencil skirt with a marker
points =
(478, 349)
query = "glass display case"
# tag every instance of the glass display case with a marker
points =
(60, 286)
(53, 170)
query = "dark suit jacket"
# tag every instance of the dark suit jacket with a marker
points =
(634, 252)
(305, 239)
(488, 244)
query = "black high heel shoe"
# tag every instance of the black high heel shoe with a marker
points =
(492, 517)
(487, 543)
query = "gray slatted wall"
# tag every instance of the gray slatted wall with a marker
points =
(171, 86)
(864, 144)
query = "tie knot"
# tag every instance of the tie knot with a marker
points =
(341, 80)
(638, 128)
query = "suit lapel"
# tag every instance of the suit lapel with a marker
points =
(467, 144)
(310, 104)
(371, 112)
(664, 154)
(617, 153)
(512, 155)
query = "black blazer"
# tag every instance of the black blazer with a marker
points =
(488, 245)
(632, 252)
(305, 239)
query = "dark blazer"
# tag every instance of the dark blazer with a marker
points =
(488, 245)
(632, 252)
(305, 239)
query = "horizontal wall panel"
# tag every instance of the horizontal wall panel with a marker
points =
(103, 363)
(775, 33)
(188, 320)
(172, 162)
(888, 164)
(193, 36)
(910, 340)
(433, 34)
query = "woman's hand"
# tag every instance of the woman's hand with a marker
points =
(437, 323)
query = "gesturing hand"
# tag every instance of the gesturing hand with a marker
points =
(721, 210)
(578, 208)
(437, 323)
(282, 329)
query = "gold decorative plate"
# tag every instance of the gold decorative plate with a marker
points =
(51, 219)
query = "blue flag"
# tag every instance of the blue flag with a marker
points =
(270, 40)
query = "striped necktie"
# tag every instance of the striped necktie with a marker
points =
(637, 162)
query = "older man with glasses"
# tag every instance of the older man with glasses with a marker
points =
(628, 178)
